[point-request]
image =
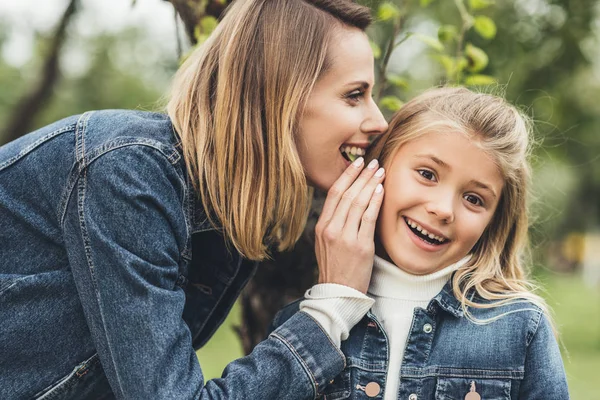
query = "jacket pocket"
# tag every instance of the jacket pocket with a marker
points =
(338, 388)
(86, 382)
(457, 388)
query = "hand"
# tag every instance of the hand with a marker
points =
(344, 234)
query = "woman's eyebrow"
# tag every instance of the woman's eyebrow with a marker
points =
(363, 84)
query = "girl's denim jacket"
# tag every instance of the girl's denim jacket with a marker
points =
(513, 357)
(111, 275)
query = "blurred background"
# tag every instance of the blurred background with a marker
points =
(61, 57)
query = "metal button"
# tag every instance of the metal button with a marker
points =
(427, 328)
(372, 389)
(412, 397)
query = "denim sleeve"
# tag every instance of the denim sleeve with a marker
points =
(124, 230)
(545, 377)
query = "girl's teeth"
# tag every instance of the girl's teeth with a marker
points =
(424, 232)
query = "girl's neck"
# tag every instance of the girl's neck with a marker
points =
(392, 282)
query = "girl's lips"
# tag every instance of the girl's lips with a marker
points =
(422, 244)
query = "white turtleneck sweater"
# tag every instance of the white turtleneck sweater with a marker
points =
(393, 295)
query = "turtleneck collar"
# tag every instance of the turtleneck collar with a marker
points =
(390, 281)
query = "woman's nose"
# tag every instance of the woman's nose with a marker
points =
(375, 123)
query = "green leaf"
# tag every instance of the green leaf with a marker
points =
(208, 24)
(447, 33)
(480, 4)
(480, 80)
(476, 57)
(391, 103)
(388, 11)
(430, 41)
(425, 3)
(485, 27)
(447, 62)
(398, 81)
(376, 50)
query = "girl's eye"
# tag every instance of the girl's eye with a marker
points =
(427, 174)
(474, 200)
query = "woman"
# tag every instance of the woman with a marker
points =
(125, 237)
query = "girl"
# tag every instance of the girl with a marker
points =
(126, 237)
(452, 316)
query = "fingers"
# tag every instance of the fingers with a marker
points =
(368, 219)
(361, 203)
(350, 199)
(339, 188)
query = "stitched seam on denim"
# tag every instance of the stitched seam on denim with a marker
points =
(466, 370)
(362, 364)
(461, 376)
(367, 369)
(387, 341)
(118, 144)
(458, 373)
(327, 336)
(88, 255)
(312, 379)
(35, 144)
(186, 208)
(536, 324)
(67, 381)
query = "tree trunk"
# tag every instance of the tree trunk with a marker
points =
(192, 11)
(279, 281)
(21, 121)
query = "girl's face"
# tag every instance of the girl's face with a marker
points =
(340, 115)
(441, 186)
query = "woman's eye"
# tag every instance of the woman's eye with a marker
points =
(474, 200)
(355, 96)
(425, 173)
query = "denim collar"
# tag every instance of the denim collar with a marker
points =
(447, 301)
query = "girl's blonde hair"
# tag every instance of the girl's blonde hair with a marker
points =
(496, 267)
(235, 105)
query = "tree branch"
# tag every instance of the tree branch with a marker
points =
(32, 102)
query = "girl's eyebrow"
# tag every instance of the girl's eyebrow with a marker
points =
(435, 160)
(483, 186)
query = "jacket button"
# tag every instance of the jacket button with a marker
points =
(372, 389)
(427, 328)
(412, 397)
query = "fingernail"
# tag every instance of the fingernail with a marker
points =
(379, 172)
(379, 188)
(358, 162)
(372, 164)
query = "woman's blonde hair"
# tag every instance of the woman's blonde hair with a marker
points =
(235, 105)
(496, 267)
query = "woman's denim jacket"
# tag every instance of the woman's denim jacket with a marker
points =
(513, 357)
(111, 275)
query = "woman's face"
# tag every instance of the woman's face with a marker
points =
(340, 116)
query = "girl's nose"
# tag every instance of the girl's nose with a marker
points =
(442, 209)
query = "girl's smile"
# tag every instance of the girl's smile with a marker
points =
(442, 190)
